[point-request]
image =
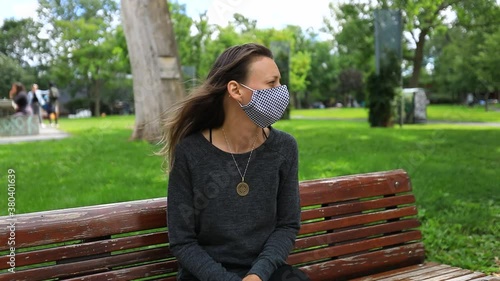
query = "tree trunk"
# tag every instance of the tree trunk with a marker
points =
(155, 66)
(97, 97)
(418, 59)
(486, 96)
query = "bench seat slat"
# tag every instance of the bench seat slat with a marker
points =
(459, 272)
(96, 265)
(473, 276)
(86, 249)
(354, 220)
(366, 264)
(344, 188)
(355, 247)
(423, 271)
(353, 207)
(358, 233)
(429, 271)
(421, 274)
(414, 268)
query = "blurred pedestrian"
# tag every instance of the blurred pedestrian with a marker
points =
(36, 101)
(20, 99)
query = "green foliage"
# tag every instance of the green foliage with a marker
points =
(352, 25)
(300, 64)
(89, 52)
(487, 61)
(322, 77)
(19, 40)
(85, 51)
(22, 53)
(10, 72)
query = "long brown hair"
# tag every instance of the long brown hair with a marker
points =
(19, 87)
(203, 108)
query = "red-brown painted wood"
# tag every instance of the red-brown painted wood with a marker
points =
(86, 222)
(86, 249)
(148, 270)
(366, 263)
(355, 234)
(354, 207)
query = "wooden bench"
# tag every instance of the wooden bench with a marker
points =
(361, 227)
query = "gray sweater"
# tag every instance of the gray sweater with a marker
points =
(217, 234)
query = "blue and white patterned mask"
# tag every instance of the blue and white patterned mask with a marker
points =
(267, 105)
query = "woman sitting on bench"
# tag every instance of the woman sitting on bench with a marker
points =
(233, 198)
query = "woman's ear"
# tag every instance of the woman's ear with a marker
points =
(233, 88)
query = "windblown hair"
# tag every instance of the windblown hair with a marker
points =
(203, 108)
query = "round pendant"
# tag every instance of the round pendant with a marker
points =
(242, 188)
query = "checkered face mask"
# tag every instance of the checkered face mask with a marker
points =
(267, 105)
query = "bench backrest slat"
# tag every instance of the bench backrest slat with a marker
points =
(358, 233)
(87, 222)
(324, 191)
(87, 249)
(91, 266)
(358, 206)
(354, 220)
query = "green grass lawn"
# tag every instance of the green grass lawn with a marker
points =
(454, 170)
(449, 113)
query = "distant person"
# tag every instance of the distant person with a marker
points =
(54, 100)
(470, 99)
(36, 101)
(52, 104)
(20, 100)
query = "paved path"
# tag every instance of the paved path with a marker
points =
(47, 133)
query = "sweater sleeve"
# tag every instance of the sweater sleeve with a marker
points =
(281, 241)
(181, 226)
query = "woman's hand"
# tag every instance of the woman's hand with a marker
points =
(252, 277)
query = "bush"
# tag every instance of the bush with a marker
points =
(382, 91)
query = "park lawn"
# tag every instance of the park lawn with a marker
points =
(448, 113)
(454, 172)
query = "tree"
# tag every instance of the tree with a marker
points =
(10, 72)
(85, 45)
(351, 86)
(488, 61)
(382, 89)
(352, 25)
(300, 65)
(155, 64)
(323, 75)
(19, 40)
(24, 52)
(464, 55)
(20, 48)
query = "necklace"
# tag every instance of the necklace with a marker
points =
(242, 188)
